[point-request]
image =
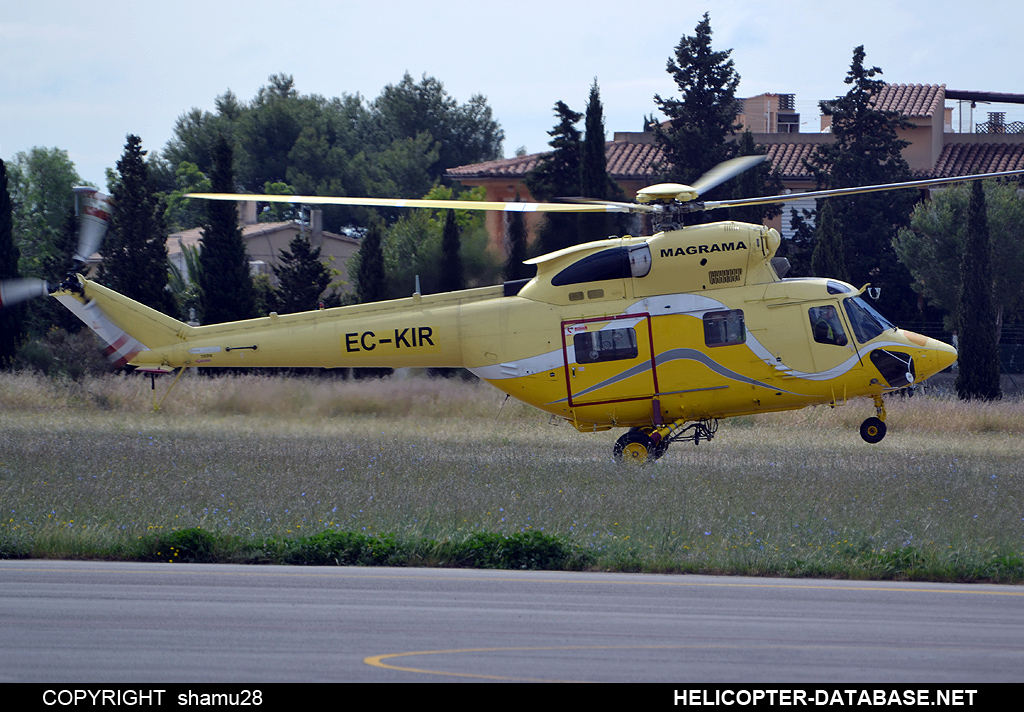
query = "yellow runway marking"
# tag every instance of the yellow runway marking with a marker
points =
(378, 660)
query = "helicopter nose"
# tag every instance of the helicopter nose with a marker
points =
(945, 355)
(934, 355)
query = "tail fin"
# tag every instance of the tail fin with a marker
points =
(126, 326)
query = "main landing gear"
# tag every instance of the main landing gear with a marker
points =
(873, 429)
(643, 445)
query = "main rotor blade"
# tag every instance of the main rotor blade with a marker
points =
(623, 207)
(16, 291)
(771, 199)
(421, 203)
(724, 171)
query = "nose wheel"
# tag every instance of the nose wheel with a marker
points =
(873, 429)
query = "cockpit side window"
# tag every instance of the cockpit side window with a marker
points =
(826, 326)
(866, 321)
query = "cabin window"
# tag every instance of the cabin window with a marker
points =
(867, 322)
(724, 328)
(639, 260)
(605, 345)
(826, 326)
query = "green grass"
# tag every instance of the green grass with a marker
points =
(423, 472)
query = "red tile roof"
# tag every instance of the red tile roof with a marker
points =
(913, 100)
(502, 168)
(632, 161)
(788, 159)
(958, 159)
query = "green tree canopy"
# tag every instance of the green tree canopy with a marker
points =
(398, 145)
(40, 183)
(465, 133)
(932, 245)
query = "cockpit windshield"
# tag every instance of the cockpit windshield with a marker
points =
(866, 321)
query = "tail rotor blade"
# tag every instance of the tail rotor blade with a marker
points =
(15, 291)
(96, 210)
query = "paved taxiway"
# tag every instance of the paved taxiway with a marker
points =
(65, 621)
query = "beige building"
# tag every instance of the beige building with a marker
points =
(935, 150)
(264, 242)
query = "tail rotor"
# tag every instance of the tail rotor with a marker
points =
(94, 218)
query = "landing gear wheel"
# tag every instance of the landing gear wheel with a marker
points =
(872, 430)
(634, 447)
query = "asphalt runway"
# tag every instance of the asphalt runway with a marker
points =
(74, 621)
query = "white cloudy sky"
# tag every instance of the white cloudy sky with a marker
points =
(81, 75)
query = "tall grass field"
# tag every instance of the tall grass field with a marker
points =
(416, 471)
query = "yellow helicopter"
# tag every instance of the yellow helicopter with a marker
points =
(664, 335)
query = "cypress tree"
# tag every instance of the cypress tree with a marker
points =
(451, 260)
(302, 277)
(11, 320)
(829, 257)
(978, 344)
(371, 284)
(516, 248)
(594, 179)
(226, 290)
(135, 249)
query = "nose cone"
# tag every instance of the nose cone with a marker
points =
(933, 355)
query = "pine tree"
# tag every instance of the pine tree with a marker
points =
(226, 290)
(760, 180)
(11, 318)
(978, 344)
(558, 175)
(829, 257)
(135, 250)
(302, 277)
(866, 151)
(451, 259)
(703, 119)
